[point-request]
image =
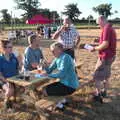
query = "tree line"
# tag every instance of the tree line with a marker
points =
(32, 7)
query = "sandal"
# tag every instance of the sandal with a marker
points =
(59, 107)
(98, 98)
(103, 93)
(8, 104)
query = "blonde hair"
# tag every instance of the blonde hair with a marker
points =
(31, 38)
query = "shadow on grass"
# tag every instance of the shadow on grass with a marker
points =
(77, 110)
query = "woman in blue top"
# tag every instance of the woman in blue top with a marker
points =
(65, 72)
(8, 68)
(33, 53)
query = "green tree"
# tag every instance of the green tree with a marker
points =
(90, 17)
(31, 7)
(115, 11)
(54, 15)
(6, 16)
(72, 11)
(45, 12)
(49, 14)
(103, 9)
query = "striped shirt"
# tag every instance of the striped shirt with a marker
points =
(68, 38)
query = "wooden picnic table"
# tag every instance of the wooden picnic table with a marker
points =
(34, 80)
(20, 80)
(30, 84)
(44, 103)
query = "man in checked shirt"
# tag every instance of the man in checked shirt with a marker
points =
(68, 36)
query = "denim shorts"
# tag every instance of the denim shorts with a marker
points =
(103, 69)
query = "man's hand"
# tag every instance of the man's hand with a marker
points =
(63, 28)
(45, 64)
(92, 49)
(102, 46)
(77, 42)
(57, 33)
(96, 40)
(34, 65)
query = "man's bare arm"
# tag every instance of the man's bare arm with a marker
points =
(77, 41)
(57, 33)
(102, 46)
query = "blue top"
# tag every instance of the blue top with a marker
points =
(9, 68)
(32, 56)
(66, 71)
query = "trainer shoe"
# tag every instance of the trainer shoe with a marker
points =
(98, 98)
(59, 106)
(64, 101)
(7, 104)
(103, 93)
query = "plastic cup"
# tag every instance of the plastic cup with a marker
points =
(26, 75)
(39, 69)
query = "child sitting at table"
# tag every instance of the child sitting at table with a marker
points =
(33, 53)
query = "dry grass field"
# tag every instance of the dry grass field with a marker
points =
(81, 108)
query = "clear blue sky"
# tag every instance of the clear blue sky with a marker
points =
(85, 6)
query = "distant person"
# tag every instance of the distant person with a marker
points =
(107, 53)
(23, 33)
(33, 53)
(29, 32)
(39, 31)
(18, 34)
(68, 36)
(49, 32)
(12, 35)
(45, 30)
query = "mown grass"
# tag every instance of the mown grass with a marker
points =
(31, 27)
(81, 106)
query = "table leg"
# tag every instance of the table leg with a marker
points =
(14, 92)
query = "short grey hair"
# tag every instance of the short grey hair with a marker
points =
(68, 20)
(101, 17)
(56, 45)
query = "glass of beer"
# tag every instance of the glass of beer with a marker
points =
(26, 75)
(39, 69)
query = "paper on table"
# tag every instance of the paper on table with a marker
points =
(39, 76)
(88, 46)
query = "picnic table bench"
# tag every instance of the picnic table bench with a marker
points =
(46, 104)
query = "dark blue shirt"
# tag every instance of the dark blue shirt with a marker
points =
(8, 68)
